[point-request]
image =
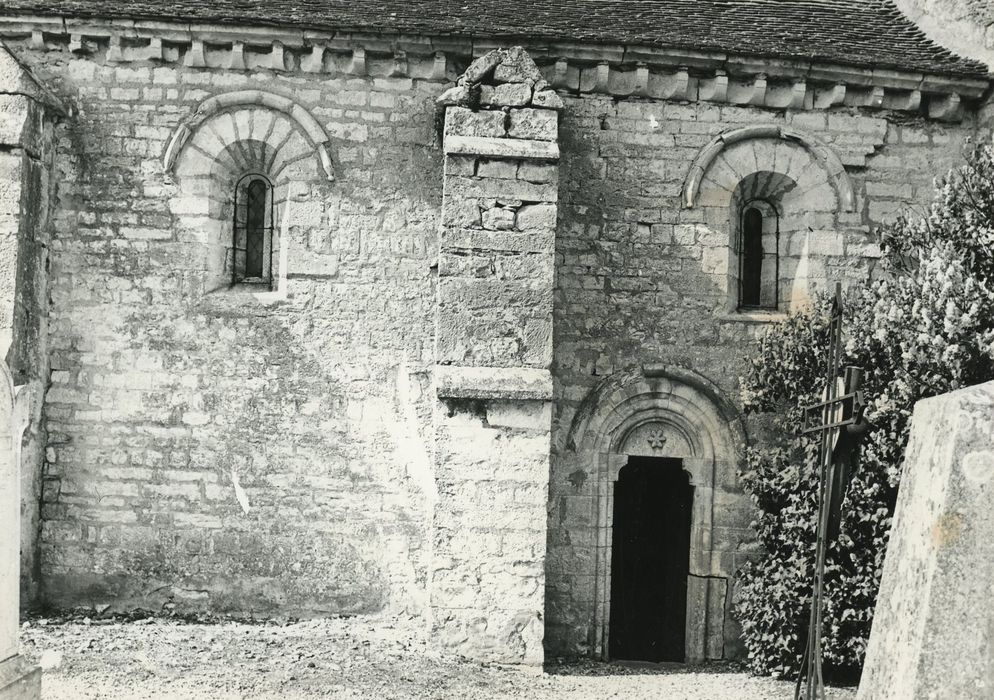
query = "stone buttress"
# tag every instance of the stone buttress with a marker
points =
(494, 350)
(26, 118)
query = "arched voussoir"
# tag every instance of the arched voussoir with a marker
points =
(683, 394)
(247, 115)
(779, 160)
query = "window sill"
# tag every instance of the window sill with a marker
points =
(753, 316)
(240, 294)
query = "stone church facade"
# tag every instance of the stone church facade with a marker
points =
(347, 313)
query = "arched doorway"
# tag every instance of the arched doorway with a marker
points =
(672, 414)
(650, 560)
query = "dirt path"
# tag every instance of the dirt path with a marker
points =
(381, 658)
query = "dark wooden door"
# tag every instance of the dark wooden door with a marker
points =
(650, 561)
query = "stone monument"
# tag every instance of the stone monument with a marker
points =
(933, 632)
(19, 680)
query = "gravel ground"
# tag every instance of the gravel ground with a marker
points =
(379, 658)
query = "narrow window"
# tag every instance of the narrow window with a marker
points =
(759, 260)
(252, 240)
(255, 227)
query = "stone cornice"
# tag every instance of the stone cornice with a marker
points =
(516, 383)
(620, 71)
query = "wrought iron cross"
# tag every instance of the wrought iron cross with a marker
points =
(838, 420)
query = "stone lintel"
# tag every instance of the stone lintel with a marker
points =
(526, 149)
(515, 383)
(19, 679)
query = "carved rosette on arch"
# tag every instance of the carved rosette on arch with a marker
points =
(654, 411)
(493, 353)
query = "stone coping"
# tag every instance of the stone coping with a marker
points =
(618, 70)
(501, 148)
(523, 383)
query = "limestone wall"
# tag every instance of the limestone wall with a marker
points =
(643, 282)
(964, 26)
(171, 406)
(273, 451)
(27, 113)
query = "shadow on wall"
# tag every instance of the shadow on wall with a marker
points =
(266, 474)
(647, 277)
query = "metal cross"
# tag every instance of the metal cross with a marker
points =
(838, 420)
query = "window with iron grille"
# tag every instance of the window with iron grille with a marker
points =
(252, 243)
(759, 257)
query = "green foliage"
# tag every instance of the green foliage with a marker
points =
(924, 327)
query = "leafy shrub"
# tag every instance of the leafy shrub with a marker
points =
(924, 327)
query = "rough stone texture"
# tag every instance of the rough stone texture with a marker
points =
(164, 397)
(26, 187)
(933, 630)
(492, 428)
(10, 528)
(23, 202)
(19, 679)
(965, 26)
(493, 383)
(642, 280)
(325, 448)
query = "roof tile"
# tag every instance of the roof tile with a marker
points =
(869, 33)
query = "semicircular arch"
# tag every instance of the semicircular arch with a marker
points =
(735, 151)
(685, 398)
(626, 416)
(250, 116)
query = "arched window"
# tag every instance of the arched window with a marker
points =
(253, 231)
(759, 257)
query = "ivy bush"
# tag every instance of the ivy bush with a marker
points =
(924, 327)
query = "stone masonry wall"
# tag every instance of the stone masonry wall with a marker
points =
(637, 286)
(27, 115)
(210, 450)
(494, 348)
(280, 453)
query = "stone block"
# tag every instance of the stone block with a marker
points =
(501, 169)
(538, 172)
(507, 95)
(504, 190)
(523, 415)
(537, 124)
(537, 217)
(498, 219)
(547, 99)
(516, 66)
(14, 111)
(493, 382)
(460, 165)
(480, 68)
(460, 121)
(461, 213)
(500, 147)
(19, 679)
(933, 629)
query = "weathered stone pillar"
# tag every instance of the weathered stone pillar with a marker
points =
(25, 153)
(933, 629)
(18, 678)
(494, 350)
